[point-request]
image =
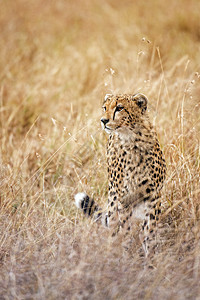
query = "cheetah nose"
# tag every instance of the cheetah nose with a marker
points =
(104, 121)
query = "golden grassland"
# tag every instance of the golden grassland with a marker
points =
(57, 61)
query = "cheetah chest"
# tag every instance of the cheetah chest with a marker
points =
(124, 167)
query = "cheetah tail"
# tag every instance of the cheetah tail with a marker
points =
(88, 206)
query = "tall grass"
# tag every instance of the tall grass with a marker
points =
(57, 61)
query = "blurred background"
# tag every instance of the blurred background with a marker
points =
(58, 59)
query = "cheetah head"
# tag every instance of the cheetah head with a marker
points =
(122, 112)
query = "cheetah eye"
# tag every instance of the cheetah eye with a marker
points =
(104, 108)
(119, 108)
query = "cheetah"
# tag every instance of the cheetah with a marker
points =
(136, 169)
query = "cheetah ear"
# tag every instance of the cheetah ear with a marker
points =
(107, 96)
(141, 101)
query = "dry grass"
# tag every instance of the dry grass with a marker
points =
(57, 60)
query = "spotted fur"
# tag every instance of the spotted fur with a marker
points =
(136, 169)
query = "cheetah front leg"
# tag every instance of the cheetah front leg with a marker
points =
(149, 227)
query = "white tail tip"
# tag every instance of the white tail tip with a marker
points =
(79, 199)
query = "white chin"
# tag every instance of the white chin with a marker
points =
(107, 130)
